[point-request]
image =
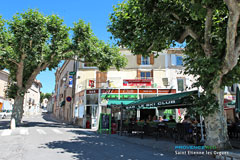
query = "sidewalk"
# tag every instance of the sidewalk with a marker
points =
(168, 145)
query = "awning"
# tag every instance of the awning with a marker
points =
(178, 100)
(118, 102)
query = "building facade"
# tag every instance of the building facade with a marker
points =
(63, 89)
(31, 104)
(143, 77)
(5, 103)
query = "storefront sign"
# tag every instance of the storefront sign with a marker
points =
(92, 91)
(128, 91)
(147, 91)
(109, 91)
(154, 104)
(166, 90)
(137, 82)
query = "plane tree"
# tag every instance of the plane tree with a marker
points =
(31, 42)
(210, 31)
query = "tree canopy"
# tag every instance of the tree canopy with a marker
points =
(31, 42)
(212, 35)
(145, 26)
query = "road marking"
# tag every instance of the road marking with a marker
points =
(57, 131)
(24, 132)
(40, 131)
(7, 132)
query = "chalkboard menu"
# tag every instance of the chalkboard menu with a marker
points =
(105, 122)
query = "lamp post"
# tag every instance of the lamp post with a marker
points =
(201, 120)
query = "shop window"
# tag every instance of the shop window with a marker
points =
(92, 99)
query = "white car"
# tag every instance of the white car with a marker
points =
(5, 113)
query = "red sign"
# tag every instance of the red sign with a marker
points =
(166, 90)
(147, 91)
(69, 99)
(109, 91)
(91, 83)
(92, 91)
(137, 82)
(128, 91)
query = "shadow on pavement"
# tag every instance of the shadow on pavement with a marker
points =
(96, 146)
(50, 122)
(4, 124)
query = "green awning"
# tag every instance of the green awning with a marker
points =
(108, 96)
(178, 100)
(117, 102)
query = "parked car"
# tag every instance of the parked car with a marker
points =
(5, 113)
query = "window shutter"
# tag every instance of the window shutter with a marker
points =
(103, 77)
(173, 58)
(98, 75)
(152, 59)
(138, 73)
(139, 59)
(152, 74)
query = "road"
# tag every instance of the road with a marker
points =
(42, 138)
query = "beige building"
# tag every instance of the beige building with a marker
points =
(5, 103)
(31, 99)
(31, 104)
(143, 77)
(63, 89)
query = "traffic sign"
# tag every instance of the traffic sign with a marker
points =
(68, 99)
(72, 73)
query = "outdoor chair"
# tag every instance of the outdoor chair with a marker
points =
(172, 130)
(188, 132)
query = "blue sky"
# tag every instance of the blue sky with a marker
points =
(96, 12)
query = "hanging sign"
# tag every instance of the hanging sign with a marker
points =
(70, 81)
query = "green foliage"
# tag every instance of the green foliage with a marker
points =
(44, 95)
(41, 42)
(155, 24)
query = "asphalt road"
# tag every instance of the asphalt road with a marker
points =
(42, 138)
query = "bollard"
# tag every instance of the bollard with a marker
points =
(13, 124)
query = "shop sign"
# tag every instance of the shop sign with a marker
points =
(137, 82)
(92, 91)
(154, 104)
(166, 90)
(128, 91)
(147, 91)
(109, 90)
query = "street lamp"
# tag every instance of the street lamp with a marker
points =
(201, 120)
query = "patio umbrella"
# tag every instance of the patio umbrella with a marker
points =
(237, 104)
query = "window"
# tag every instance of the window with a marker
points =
(179, 60)
(180, 83)
(176, 60)
(145, 60)
(145, 75)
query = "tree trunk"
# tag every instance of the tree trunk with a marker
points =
(216, 124)
(17, 110)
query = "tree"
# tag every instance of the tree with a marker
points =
(44, 95)
(32, 42)
(211, 32)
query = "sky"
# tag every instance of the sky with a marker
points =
(95, 12)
